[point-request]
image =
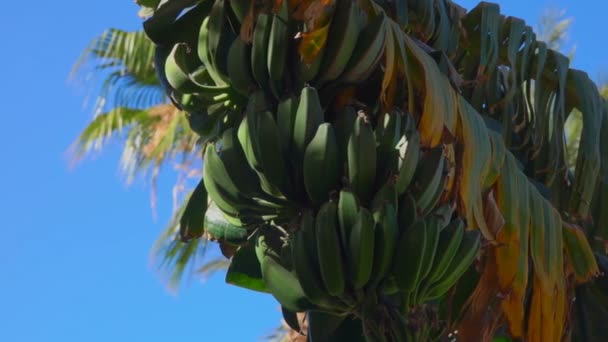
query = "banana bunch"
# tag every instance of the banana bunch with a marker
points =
(370, 225)
(347, 261)
(209, 71)
(346, 210)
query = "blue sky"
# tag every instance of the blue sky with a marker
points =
(74, 246)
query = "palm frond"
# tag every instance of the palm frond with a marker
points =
(553, 28)
(152, 132)
(213, 266)
(149, 147)
(106, 126)
(174, 259)
(125, 62)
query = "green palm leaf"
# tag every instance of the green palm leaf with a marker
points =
(136, 114)
(173, 258)
(106, 126)
(125, 62)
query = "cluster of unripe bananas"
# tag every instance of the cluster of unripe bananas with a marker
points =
(344, 206)
(345, 211)
(210, 71)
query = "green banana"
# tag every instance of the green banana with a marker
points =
(178, 65)
(257, 103)
(407, 263)
(259, 49)
(245, 139)
(467, 252)
(278, 44)
(165, 28)
(388, 133)
(306, 264)
(245, 179)
(449, 241)
(240, 8)
(259, 136)
(174, 22)
(199, 119)
(386, 237)
(437, 196)
(207, 91)
(219, 185)
(343, 123)
(348, 210)
(345, 28)
(433, 229)
(328, 248)
(233, 157)
(409, 155)
(200, 77)
(205, 56)
(269, 151)
(220, 37)
(286, 118)
(228, 197)
(282, 283)
(161, 53)
(368, 52)
(407, 213)
(361, 157)
(309, 115)
(387, 194)
(239, 67)
(218, 228)
(361, 249)
(428, 179)
(321, 169)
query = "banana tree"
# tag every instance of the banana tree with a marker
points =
(397, 170)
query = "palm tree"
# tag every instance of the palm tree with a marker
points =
(133, 110)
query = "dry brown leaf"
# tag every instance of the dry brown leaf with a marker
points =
(482, 315)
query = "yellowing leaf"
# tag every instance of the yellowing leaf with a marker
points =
(538, 239)
(540, 327)
(498, 158)
(312, 43)
(476, 154)
(511, 251)
(579, 253)
(425, 75)
(390, 75)
(492, 214)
